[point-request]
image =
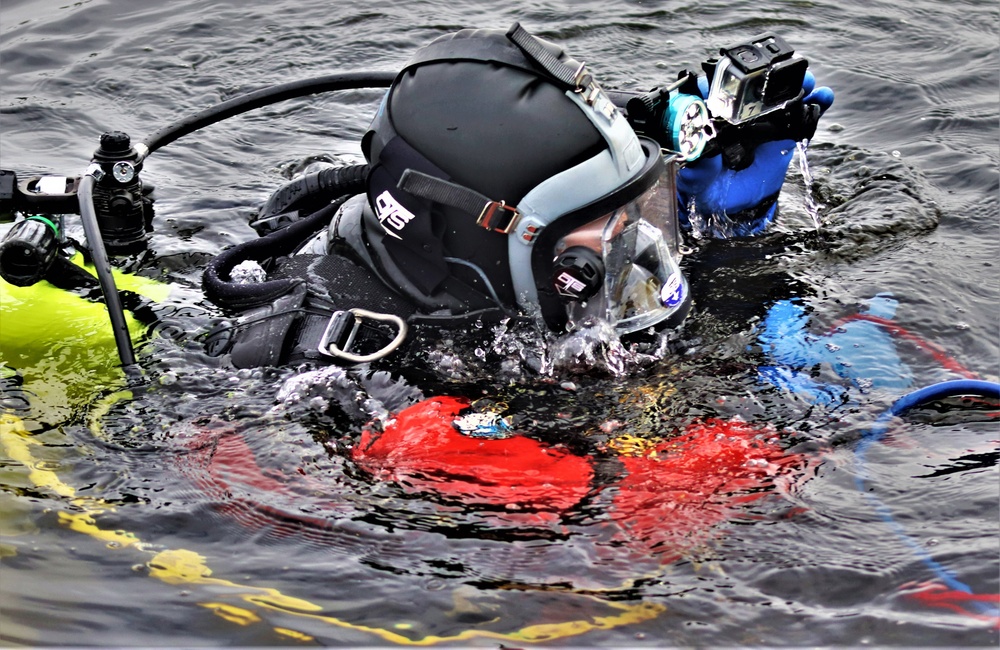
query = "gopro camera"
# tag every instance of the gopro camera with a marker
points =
(755, 78)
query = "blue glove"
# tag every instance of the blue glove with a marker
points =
(734, 192)
(860, 351)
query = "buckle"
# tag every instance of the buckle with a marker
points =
(342, 330)
(582, 77)
(489, 213)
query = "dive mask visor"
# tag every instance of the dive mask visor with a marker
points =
(622, 267)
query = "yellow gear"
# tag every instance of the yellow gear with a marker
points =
(62, 344)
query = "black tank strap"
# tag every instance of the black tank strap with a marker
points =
(335, 282)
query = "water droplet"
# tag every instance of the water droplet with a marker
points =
(961, 325)
(611, 425)
(896, 154)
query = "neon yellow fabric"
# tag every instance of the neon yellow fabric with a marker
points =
(63, 345)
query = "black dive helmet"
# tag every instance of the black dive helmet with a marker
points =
(504, 179)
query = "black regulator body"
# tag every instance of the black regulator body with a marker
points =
(122, 204)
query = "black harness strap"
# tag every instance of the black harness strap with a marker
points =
(292, 326)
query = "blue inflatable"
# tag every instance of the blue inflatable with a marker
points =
(860, 351)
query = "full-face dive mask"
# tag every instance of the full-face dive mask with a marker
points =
(504, 177)
(622, 266)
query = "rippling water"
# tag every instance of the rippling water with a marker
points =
(142, 521)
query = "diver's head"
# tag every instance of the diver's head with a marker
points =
(502, 176)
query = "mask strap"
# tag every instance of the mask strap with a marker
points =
(492, 215)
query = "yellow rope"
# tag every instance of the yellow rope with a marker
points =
(184, 567)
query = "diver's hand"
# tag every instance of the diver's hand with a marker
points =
(732, 190)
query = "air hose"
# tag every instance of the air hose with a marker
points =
(308, 193)
(338, 184)
(88, 215)
(874, 434)
(264, 97)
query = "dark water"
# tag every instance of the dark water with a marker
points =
(122, 535)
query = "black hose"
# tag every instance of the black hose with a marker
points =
(306, 194)
(92, 230)
(265, 97)
(339, 184)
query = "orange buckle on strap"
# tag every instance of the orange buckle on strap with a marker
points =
(502, 223)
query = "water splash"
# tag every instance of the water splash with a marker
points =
(591, 346)
(811, 204)
(714, 225)
(364, 396)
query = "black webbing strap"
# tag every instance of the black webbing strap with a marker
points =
(492, 215)
(533, 48)
(288, 331)
(347, 336)
(336, 312)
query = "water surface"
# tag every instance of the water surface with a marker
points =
(126, 532)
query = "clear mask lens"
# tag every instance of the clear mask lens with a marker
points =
(638, 244)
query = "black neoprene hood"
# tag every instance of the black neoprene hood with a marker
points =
(472, 109)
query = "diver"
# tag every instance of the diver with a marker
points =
(502, 181)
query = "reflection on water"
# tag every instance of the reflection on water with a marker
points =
(687, 501)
